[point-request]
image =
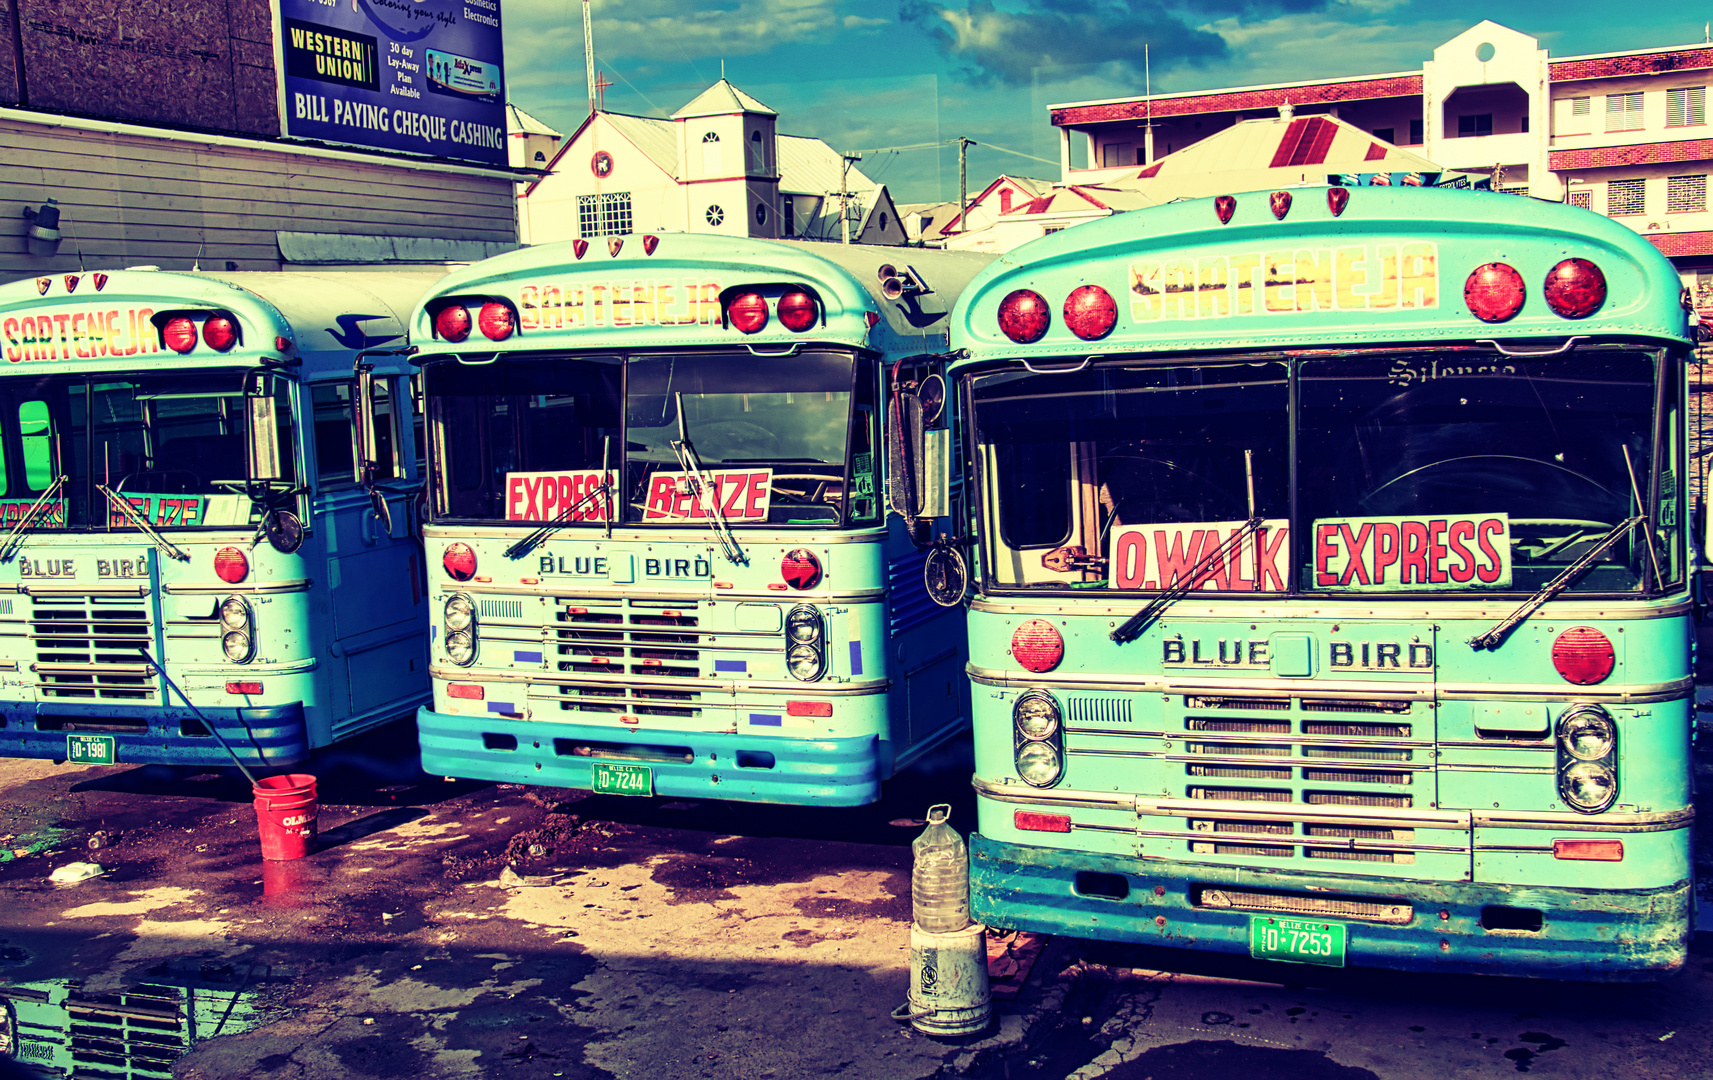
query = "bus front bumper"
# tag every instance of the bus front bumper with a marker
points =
(1433, 926)
(681, 764)
(265, 737)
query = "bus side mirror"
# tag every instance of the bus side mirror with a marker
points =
(936, 475)
(904, 444)
(363, 466)
(264, 429)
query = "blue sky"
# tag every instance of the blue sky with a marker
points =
(867, 77)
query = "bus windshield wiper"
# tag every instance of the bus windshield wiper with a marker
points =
(529, 543)
(135, 517)
(15, 539)
(1198, 574)
(1495, 637)
(691, 463)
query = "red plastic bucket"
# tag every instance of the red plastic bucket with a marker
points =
(285, 810)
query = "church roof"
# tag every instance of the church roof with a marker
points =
(722, 99)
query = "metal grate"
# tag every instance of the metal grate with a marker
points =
(88, 648)
(1378, 911)
(635, 638)
(1091, 710)
(500, 609)
(133, 1033)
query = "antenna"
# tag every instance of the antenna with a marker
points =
(196, 262)
(1148, 106)
(589, 56)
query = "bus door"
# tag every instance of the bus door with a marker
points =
(364, 476)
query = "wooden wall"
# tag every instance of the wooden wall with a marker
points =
(129, 199)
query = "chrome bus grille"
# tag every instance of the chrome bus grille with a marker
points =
(87, 648)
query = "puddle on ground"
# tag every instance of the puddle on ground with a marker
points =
(58, 1027)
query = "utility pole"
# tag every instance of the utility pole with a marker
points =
(963, 181)
(589, 56)
(845, 197)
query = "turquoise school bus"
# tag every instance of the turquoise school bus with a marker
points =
(179, 486)
(675, 550)
(1332, 599)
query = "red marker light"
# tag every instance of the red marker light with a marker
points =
(808, 708)
(495, 321)
(1037, 645)
(230, 565)
(1024, 317)
(452, 323)
(250, 688)
(220, 333)
(1583, 655)
(179, 334)
(459, 561)
(1589, 850)
(1091, 312)
(1035, 821)
(1575, 288)
(467, 691)
(800, 569)
(1494, 292)
(798, 311)
(748, 312)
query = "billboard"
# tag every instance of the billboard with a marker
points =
(421, 76)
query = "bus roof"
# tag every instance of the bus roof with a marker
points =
(105, 320)
(1320, 266)
(663, 290)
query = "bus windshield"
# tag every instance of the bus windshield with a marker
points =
(175, 446)
(1413, 470)
(531, 439)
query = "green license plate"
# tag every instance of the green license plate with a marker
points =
(1297, 941)
(623, 779)
(90, 750)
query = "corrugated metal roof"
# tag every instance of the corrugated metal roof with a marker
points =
(654, 137)
(811, 167)
(519, 121)
(719, 100)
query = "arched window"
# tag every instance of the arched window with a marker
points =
(711, 154)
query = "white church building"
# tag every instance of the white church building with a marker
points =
(718, 165)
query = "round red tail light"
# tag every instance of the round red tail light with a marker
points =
(452, 323)
(220, 333)
(495, 321)
(748, 312)
(230, 565)
(1583, 655)
(1575, 288)
(1494, 292)
(800, 569)
(460, 562)
(179, 334)
(1024, 317)
(1091, 312)
(797, 310)
(1037, 645)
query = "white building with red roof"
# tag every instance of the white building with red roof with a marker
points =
(1623, 134)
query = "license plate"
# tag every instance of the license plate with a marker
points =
(1297, 941)
(623, 779)
(90, 750)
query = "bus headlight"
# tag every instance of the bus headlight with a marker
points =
(1038, 764)
(805, 643)
(1588, 786)
(1587, 758)
(459, 612)
(804, 661)
(461, 648)
(237, 639)
(803, 625)
(1037, 738)
(1036, 715)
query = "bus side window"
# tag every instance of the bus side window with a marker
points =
(334, 436)
(35, 432)
(865, 508)
(418, 426)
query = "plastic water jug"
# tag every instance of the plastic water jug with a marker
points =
(940, 880)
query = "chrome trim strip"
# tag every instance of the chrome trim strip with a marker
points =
(1355, 742)
(1638, 694)
(698, 685)
(260, 587)
(690, 538)
(1515, 849)
(603, 592)
(1646, 822)
(1021, 793)
(1350, 764)
(1335, 843)
(1372, 817)
(1167, 684)
(1529, 770)
(67, 592)
(136, 671)
(1310, 607)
